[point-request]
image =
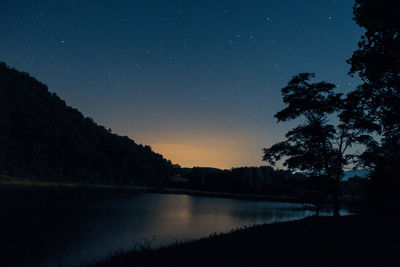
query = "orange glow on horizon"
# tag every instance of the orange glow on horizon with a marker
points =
(196, 155)
(223, 150)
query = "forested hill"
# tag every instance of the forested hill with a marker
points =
(43, 138)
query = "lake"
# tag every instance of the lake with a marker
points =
(51, 227)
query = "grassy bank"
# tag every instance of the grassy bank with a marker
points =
(16, 183)
(324, 241)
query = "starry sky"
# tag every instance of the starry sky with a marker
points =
(198, 81)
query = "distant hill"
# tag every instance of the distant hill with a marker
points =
(352, 173)
(207, 169)
(43, 138)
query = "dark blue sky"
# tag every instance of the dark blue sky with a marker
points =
(199, 81)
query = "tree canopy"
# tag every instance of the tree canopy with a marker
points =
(316, 146)
(377, 63)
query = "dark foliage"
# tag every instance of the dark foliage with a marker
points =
(377, 63)
(43, 138)
(255, 180)
(267, 181)
(316, 147)
(356, 186)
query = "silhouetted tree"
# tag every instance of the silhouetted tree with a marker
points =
(315, 146)
(377, 63)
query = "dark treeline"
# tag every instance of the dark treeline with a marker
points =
(42, 138)
(266, 181)
(262, 180)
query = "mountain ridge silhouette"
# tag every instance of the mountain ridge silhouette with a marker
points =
(43, 138)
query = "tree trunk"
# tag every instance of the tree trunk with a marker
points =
(336, 198)
(336, 205)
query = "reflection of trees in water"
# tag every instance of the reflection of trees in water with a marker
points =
(76, 227)
(269, 212)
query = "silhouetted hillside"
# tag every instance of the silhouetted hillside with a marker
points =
(43, 138)
(359, 173)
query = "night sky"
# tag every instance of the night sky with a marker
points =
(198, 81)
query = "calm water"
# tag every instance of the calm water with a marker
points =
(52, 228)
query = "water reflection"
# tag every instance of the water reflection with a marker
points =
(88, 227)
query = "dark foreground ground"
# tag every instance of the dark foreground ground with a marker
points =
(324, 241)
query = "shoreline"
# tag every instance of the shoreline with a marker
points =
(357, 240)
(27, 184)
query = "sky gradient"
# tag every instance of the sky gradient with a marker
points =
(198, 81)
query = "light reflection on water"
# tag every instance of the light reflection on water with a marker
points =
(92, 226)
